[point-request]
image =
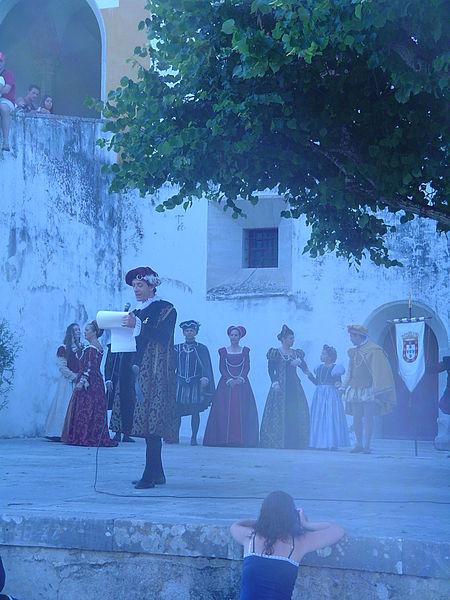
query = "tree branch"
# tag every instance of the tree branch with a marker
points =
(442, 215)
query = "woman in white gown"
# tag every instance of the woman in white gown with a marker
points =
(68, 357)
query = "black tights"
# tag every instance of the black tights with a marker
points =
(195, 424)
(153, 463)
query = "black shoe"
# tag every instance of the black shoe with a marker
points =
(116, 438)
(156, 481)
(127, 438)
(144, 485)
(161, 480)
(194, 441)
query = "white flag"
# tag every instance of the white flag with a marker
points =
(410, 352)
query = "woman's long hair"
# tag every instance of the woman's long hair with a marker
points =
(278, 520)
(69, 340)
(43, 102)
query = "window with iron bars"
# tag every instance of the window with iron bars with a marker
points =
(260, 248)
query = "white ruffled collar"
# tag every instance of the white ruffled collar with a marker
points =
(142, 305)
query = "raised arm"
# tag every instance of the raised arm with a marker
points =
(319, 534)
(242, 531)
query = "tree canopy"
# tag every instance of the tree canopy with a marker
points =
(341, 106)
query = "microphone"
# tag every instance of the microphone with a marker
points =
(127, 307)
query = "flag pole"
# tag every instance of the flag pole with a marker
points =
(410, 393)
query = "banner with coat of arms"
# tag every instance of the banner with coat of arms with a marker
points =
(410, 352)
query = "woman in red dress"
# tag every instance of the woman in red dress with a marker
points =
(233, 420)
(86, 415)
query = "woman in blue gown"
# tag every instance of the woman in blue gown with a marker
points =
(328, 422)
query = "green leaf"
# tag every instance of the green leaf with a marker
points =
(228, 26)
(443, 83)
(363, 220)
(407, 178)
(349, 40)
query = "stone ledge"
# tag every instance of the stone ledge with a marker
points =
(19, 115)
(57, 532)
(373, 554)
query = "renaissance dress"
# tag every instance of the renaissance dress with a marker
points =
(86, 415)
(69, 369)
(193, 363)
(233, 420)
(328, 423)
(285, 422)
(369, 379)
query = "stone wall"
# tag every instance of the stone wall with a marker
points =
(66, 243)
(52, 558)
(60, 251)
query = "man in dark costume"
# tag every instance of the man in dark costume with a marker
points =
(147, 377)
(122, 417)
(195, 379)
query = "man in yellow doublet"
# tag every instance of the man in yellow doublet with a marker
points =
(369, 385)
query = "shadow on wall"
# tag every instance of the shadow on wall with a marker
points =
(57, 45)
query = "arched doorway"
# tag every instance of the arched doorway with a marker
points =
(57, 44)
(427, 393)
(415, 415)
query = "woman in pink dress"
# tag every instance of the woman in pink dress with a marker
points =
(86, 416)
(233, 420)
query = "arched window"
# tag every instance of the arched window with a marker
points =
(57, 44)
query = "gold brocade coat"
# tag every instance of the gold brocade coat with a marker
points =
(154, 413)
(369, 378)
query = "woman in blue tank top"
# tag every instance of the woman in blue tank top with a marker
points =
(275, 544)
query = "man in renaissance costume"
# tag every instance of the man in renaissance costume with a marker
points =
(195, 379)
(147, 377)
(369, 385)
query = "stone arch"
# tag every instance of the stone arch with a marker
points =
(377, 323)
(58, 44)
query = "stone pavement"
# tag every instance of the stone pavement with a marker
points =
(59, 538)
(390, 493)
